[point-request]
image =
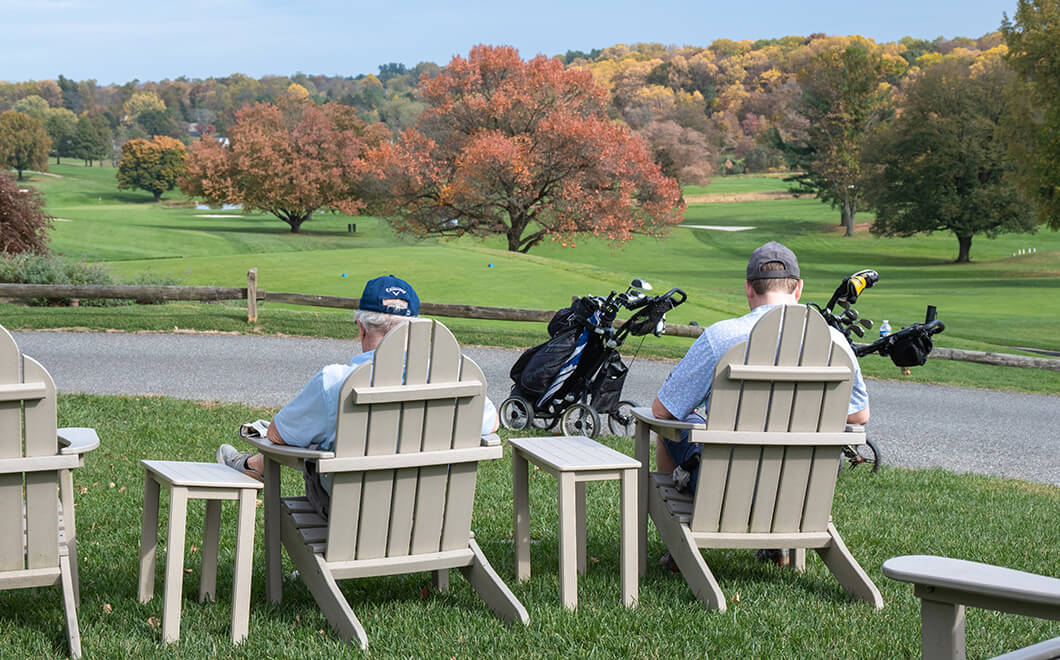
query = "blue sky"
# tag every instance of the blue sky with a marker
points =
(119, 40)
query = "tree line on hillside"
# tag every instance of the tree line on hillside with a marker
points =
(954, 135)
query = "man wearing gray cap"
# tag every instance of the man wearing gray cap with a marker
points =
(772, 279)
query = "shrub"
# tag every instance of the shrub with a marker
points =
(27, 268)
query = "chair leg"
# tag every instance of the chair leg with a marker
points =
(440, 580)
(847, 570)
(683, 549)
(498, 597)
(73, 632)
(941, 630)
(318, 579)
(149, 539)
(70, 528)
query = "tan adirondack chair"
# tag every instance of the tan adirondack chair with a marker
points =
(37, 532)
(771, 451)
(945, 586)
(408, 442)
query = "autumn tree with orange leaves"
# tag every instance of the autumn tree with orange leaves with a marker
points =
(289, 159)
(524, 149)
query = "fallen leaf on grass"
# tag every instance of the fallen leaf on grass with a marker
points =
(735, 597)
(112, 484)
(107, 609)
(594, 560)
(425, 593)
(188, 570)
(153, 622)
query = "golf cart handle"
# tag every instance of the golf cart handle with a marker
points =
(675, 291)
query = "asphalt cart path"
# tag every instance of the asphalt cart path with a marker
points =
(961, 429)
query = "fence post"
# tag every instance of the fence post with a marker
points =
(252, 295)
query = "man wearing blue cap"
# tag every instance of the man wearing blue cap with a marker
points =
(772, 279)
(309, 419)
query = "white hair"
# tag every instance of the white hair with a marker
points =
(377, 323)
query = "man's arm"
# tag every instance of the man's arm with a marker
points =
(859, 417)
(659, 410)
(274, 436)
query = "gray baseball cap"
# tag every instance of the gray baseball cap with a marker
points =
(772, 251)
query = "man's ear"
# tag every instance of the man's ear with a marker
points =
(749, 289)
(798, 291)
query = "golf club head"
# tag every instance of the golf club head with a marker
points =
(857, 330)
(867, 323)
(638, 283)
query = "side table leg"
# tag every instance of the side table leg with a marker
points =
(273, 575)
(568, 558)
(630, 544)
(210, 535)
(244, 560)
(642, 452)
(178, 518)
(521, 515)
(579, 503)
(149, 539)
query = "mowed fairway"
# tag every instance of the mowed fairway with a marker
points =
(997, 302)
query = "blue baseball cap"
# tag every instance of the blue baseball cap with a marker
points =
(390, 295)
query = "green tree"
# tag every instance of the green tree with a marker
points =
(152, 165)
(32, 105)
(1033, 39)
(844, 93)
(139, 103)
(61, 126)
(93, 140)
(941, 165)
(24, 144)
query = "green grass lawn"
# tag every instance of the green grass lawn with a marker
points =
(772, 612)
(993, 304)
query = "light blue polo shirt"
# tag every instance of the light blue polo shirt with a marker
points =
(688, 385)
(310, 417)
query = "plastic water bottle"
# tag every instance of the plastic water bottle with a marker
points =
(885, 328)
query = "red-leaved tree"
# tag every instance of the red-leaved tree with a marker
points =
(289, 160)
(23, 224)
(524, 149)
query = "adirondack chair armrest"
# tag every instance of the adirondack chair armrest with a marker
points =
(644, 415)
(286, 451)
(77, 440)
(979, 585)
(491, 440)
(410, 460)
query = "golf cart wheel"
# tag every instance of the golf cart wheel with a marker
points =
(580, 419)
(867, 454)
(620, 420)
(516, 413)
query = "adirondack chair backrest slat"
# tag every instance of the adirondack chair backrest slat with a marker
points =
(42, 488)
(397, 512)
(780, 488)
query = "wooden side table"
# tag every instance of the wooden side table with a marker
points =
(212, 482)
(574, 460)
